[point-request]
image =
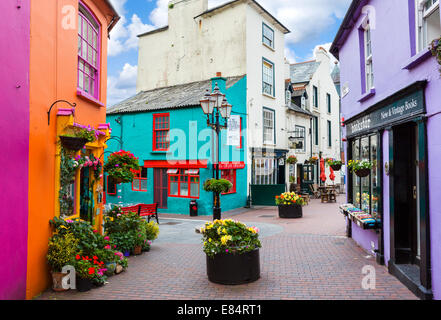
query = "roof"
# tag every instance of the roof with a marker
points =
(153, 31)
(173, 97)
(335, 74)
(115, 18)
(233, 2)
(296, 108)
(303, 72)
(348, 23)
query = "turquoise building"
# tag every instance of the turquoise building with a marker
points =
(167, 130)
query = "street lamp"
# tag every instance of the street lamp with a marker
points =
(215, 105)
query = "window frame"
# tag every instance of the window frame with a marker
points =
(233, 180)
(179, 175)
(315, 97)
(86, 16)
(155, 131)
(421, 16)
(329, 134)
(316, 130)
(328, 102)
(264, 83)
(299, 128)
(139, 178)
(273, 112)
(265, 26)
(108, 178)
(368, 63)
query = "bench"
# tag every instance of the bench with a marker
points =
(143, 210)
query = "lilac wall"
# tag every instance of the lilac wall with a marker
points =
(392, 52)
(364, 237)
(14, 124)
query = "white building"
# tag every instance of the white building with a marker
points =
(237, 38)
(313, 117)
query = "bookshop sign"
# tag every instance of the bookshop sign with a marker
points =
(399, 110)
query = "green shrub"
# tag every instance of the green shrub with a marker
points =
(62, 251)
(219, 186)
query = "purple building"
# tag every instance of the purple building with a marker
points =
(391, 105)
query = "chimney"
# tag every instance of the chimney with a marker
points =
(322, 55)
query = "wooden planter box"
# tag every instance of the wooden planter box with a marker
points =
(234, 269)
(290, 211)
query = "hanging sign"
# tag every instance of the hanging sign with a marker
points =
(407, 107)
(233, 132)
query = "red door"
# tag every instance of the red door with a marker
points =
(161, 188)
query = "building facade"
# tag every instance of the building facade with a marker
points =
(390, 103)
(59, 78)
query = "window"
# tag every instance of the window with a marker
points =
(315, 96)
(328, 102)
(268, 126)
(329, 134)
(140, 181)
(88, 53)
(316, 131)
(264, 171)
(369, 72)
(300, 133)
(161, 127)
(183, 183)
(268, 36)
(230, 175)
(268, 78)
(111, 186)
(428, 22)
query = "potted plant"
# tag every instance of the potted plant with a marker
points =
(290, 205)
(76, 141)
(61, 252)
(85, 273)
(362, 168)
(232, 252)
(121, 262)
(435, 48)
(120, 166)
(312, 160)
(138, 241)
(291, 160)
(334, 164)
(218, 185)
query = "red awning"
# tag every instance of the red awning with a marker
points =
(231, 165)
(176, 164)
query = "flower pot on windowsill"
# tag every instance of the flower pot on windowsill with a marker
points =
(234, 269)
(336, 167)
(363, 172)
(84, 285)
(73, 143)
(293, 211)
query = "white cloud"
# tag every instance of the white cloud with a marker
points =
(122, 86)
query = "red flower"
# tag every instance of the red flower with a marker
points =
(91, 270)
(78, 257)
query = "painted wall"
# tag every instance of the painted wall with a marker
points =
(53, 76)
(14, 122)
(190, 125)
(365, 238)
(393, 18)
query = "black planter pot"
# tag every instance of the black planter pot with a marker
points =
(73, 143)
(234, 269)
(336, 167)
(84, 285)
(290, 211)
(363, 172)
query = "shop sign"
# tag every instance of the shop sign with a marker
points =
(401, 109)
(233, 132)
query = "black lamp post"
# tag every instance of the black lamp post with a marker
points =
(215, 105)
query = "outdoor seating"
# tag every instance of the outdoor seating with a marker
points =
(143, 210)
(315, 191)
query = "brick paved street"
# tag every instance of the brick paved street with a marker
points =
(306, 258)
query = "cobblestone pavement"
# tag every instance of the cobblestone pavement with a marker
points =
(308, 258)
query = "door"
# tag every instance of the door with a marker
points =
(306, 177)
(86, 196)
(160, 194)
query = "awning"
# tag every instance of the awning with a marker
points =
(231, 165)
(172, 171)
(193, 172)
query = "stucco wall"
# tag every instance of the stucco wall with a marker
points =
(14, 122)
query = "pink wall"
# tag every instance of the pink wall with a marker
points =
(14, 141)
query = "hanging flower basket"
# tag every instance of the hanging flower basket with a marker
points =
(362, 173)
(336, 167)
(73, 143)
(362, 168)
(121, 166)
(291, 160)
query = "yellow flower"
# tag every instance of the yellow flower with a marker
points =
(209, 240)
(224, 231)
(209, 227)
(63, 227)
(225, 239)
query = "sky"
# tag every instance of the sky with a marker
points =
(313, 23)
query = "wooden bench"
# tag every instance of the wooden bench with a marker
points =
(143, 210)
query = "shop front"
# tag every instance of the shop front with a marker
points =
(388, 211)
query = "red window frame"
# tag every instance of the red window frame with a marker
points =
(179, 176)
(162, 132)
(107, 186)
(230, 175)
(138, 179)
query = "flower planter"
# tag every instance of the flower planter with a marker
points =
(137, 250)
(119, 269)
(110, 266)
(127, 253)
(336, 167)
(84, 285)
(146, 249)
(57, 281)
(73, 143)
(234, 269)
(363, 172)
(290, 211)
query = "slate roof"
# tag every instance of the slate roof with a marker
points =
(303, 72)
(336, 74)
(173, 97)
(296, 108)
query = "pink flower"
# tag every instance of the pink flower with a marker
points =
(106, 238)
(107, 247)
(95, 231)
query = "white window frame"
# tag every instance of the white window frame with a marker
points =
(267, 36)
(269, 126)
(369, 70)
(422, 15)
(267, 76)
(298, 131)
(315, 97)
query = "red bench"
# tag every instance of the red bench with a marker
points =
(143, 210)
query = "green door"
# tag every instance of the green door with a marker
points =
(307, 177)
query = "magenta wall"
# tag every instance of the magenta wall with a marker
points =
(392, 51)
(14, 140)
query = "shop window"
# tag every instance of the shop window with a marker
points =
(111, 186)
(183, 183)
(428, 22)
(140, 180)
(161, 128)
(230, 175)
(88, 53)
(265, 171)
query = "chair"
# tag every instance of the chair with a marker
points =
(332, 195)
(314, 191)
(324, 196)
